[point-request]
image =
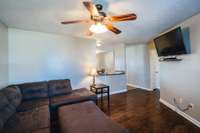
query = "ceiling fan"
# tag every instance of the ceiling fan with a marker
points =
(99, 19)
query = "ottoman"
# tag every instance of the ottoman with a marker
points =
(86, 117)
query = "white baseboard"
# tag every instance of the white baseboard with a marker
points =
(119, 91)
(191, 119)
(137, 86)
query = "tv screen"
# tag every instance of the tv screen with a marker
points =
(170, 43)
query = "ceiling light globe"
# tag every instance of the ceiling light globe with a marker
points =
(98, 44)
(98, 28)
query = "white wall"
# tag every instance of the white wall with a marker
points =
(3, 55)
(154, 66)
(137, 63)
(118, 50)
(105, 60)
(119, 57)
(109, 61)
(181, 79)
(35, 56)
(100, 60)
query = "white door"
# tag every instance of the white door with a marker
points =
(156, 76)
(154, 69)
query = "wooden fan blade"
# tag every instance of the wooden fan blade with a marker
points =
(125, 17)
(91, 8)
(74, 21)
(113, 29)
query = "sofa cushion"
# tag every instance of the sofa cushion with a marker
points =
(3, 100)
(1, 124)
(59, 87)
(29, 121)
(13, 95)
(43, 130)
(28, 105)
(86, 117)
(6, 109)
(75, 96)
(36, 90)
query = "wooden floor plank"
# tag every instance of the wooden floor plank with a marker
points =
(141, 112)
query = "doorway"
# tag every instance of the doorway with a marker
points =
(154, 67)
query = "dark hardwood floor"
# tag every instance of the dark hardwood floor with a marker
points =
(141, 112)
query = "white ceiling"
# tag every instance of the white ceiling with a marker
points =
(154, 16)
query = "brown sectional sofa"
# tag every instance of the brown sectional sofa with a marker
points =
(38, 108)
(32, 120)
(28, 107)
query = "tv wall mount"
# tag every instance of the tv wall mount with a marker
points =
(170, 58)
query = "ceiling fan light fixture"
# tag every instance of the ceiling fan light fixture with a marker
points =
(98, 28)
(98, 43)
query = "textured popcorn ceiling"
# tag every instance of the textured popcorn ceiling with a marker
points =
(154, 16)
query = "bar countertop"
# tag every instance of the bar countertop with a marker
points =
(112, 73)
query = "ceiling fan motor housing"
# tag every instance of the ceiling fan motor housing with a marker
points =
(99, 7)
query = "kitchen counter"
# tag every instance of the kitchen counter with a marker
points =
(116, 80)
(112, 73)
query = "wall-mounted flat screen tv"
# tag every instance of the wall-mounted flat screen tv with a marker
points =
(170, 43)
